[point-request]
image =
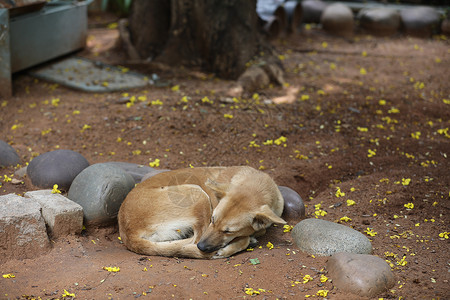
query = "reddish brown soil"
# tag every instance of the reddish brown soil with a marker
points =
(331, 130)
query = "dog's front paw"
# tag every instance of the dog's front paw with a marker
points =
(221, 253)
(253, 242)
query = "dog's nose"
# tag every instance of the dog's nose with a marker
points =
(202, 246)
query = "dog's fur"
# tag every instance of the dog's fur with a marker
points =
(200, 212)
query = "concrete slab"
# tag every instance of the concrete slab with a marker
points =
(62, 215)
(22, 228)
(90, 76)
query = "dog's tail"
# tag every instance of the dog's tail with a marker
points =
(176, 248)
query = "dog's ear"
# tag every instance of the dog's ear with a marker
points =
(265, 217)
(219, 188)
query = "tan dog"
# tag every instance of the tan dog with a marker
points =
(200, 213)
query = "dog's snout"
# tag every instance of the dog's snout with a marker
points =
(203, 246)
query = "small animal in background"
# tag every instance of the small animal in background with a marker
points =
(211, 212)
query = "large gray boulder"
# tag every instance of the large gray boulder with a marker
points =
(380, 21)
(338, 19)
(320, 237)
(100, 189)
(135, 170)
(8, 156)
(420, 21)
(360, 274)
(56, 167)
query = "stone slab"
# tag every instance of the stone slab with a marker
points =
(90, 76)
(62, 216)
(22, 228)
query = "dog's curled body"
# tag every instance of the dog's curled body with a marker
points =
(199, 212)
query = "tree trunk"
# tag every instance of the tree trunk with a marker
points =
(220, 36)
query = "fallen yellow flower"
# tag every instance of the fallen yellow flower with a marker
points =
(250, 291)
(111, 269)
(287, 228)
(307, 278)
(370, 232)
(444, 235)
(339, 193)
(67, 294)
(154, 163)
(345, 219)
(55, 189)
(350, 202)
(6, 178)
(409, 205)
(9, 275)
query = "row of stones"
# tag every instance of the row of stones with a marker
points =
(23, 222)
(351, 266)
(98, 190)
(338, 19)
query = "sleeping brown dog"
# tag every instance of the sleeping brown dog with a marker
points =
(199, 212)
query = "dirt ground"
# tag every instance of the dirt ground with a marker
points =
(371, 120)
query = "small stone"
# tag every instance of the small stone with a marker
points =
(294, 208)
(320, 237)
(153, 173)
(16, 181)
(312, 10)
(337, 19)
(382, 21)
(360, 274)
(56, 167)
(420, 21)
(445, 26)
(22, 228)
(21, 172)
(62, 216)
(100, 189)
(136, 171)
(8, 156)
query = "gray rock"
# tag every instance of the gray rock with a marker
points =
(62, 216)
(56, 167)
(153, 173)
(22, 228)
(360, 274)
(445, 26)
(8, 156)
(337, 19)
(21, 172)
(136, 171)
(381, 21)
(320, 237)
(420, 21)
(100, 189)
(294, 208)
(312, 10)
